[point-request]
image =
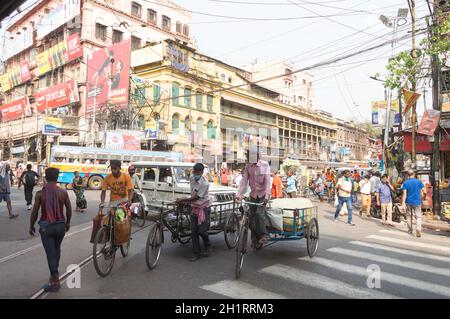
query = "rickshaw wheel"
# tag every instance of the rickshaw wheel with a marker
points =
(231, 230)
(153, 246)
(312, 237)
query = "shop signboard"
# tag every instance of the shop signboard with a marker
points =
(429, 122)
(57, 96)
(423, 145)
(52, 126)
(124, 140)
(15, 110)
(61, 53)
(15, 76)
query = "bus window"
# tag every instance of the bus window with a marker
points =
(149, 175)
(127, 158)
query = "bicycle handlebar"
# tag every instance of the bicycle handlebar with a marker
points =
(252, 203)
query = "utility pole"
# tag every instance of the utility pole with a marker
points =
(435, 159)
(412, 7)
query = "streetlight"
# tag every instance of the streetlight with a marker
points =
(391, 22)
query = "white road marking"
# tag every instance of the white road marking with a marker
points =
(240, 290)
(385, 276)
(410, 243)
(440, 239)
(324, 283)
(24, 251)
(391, 261)
(401, 251)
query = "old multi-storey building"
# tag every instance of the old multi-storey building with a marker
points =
(202, 102)
(45, 53)
(352, 141)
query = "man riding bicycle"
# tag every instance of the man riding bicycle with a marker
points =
(257, 175)
(120, 185)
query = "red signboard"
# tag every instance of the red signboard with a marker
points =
(108, 76)
(429, 123)
(25, 73)
(15, 110)
(422, 143)
(56, 96)
(74, 49)
(379, 148)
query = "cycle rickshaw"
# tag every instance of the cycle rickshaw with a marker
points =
(176, 219)
(297, 220)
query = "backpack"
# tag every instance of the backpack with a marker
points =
(30, 178)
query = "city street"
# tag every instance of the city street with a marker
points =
(409, 267)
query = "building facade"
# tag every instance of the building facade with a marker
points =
(294, 89)
(45, 53)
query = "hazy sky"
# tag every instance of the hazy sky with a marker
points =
(289, 33)
(343, 88)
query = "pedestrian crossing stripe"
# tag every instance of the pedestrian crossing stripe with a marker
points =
(410, 243)
(324, 283)
(390, 261)
(385, 276)
(240, 290)
(401, 251)
(425, 237)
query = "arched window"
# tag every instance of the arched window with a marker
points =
(199, 128)
(175, 124)
(211, 130)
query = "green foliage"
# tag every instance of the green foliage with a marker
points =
(371, 130)
(404, 68)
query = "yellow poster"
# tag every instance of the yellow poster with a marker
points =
(43, 63)
(4, 82)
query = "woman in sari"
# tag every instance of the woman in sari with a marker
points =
(78, 189)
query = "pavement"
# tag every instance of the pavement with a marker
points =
(365, 261)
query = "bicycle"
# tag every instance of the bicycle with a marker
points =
(105, 247)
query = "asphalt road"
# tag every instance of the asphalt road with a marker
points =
(349, 261)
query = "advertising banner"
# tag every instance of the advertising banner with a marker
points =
(108, 76)
(60, 54)
(15, 110)
(410, 98)
(151, 132)
(59, 15)
(429, 122)
(445, 102)
(52, 126)
(56, 96)
(124, 140)
(379, 110)
(15, 76)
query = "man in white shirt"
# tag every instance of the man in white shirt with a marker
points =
(344, 188)
(366, 198)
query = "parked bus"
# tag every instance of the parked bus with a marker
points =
(92, 163)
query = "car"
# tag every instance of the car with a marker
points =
(164, 182)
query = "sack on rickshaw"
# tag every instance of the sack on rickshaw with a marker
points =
(274, 218)
(122, 230)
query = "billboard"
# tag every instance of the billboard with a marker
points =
(108, 76)
(15, 76)
(63, 12)
(56, 96)
(379, 109)
(124, 140)
(15, 110)
(52, 126)
(60, 54)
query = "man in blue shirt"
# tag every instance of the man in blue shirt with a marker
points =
(413, 190)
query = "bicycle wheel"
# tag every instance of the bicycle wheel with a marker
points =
(103, 252)
(312, 237)
(241, 248)
(124, 249)
(153, 246)
(231, 230)
(141, 214)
